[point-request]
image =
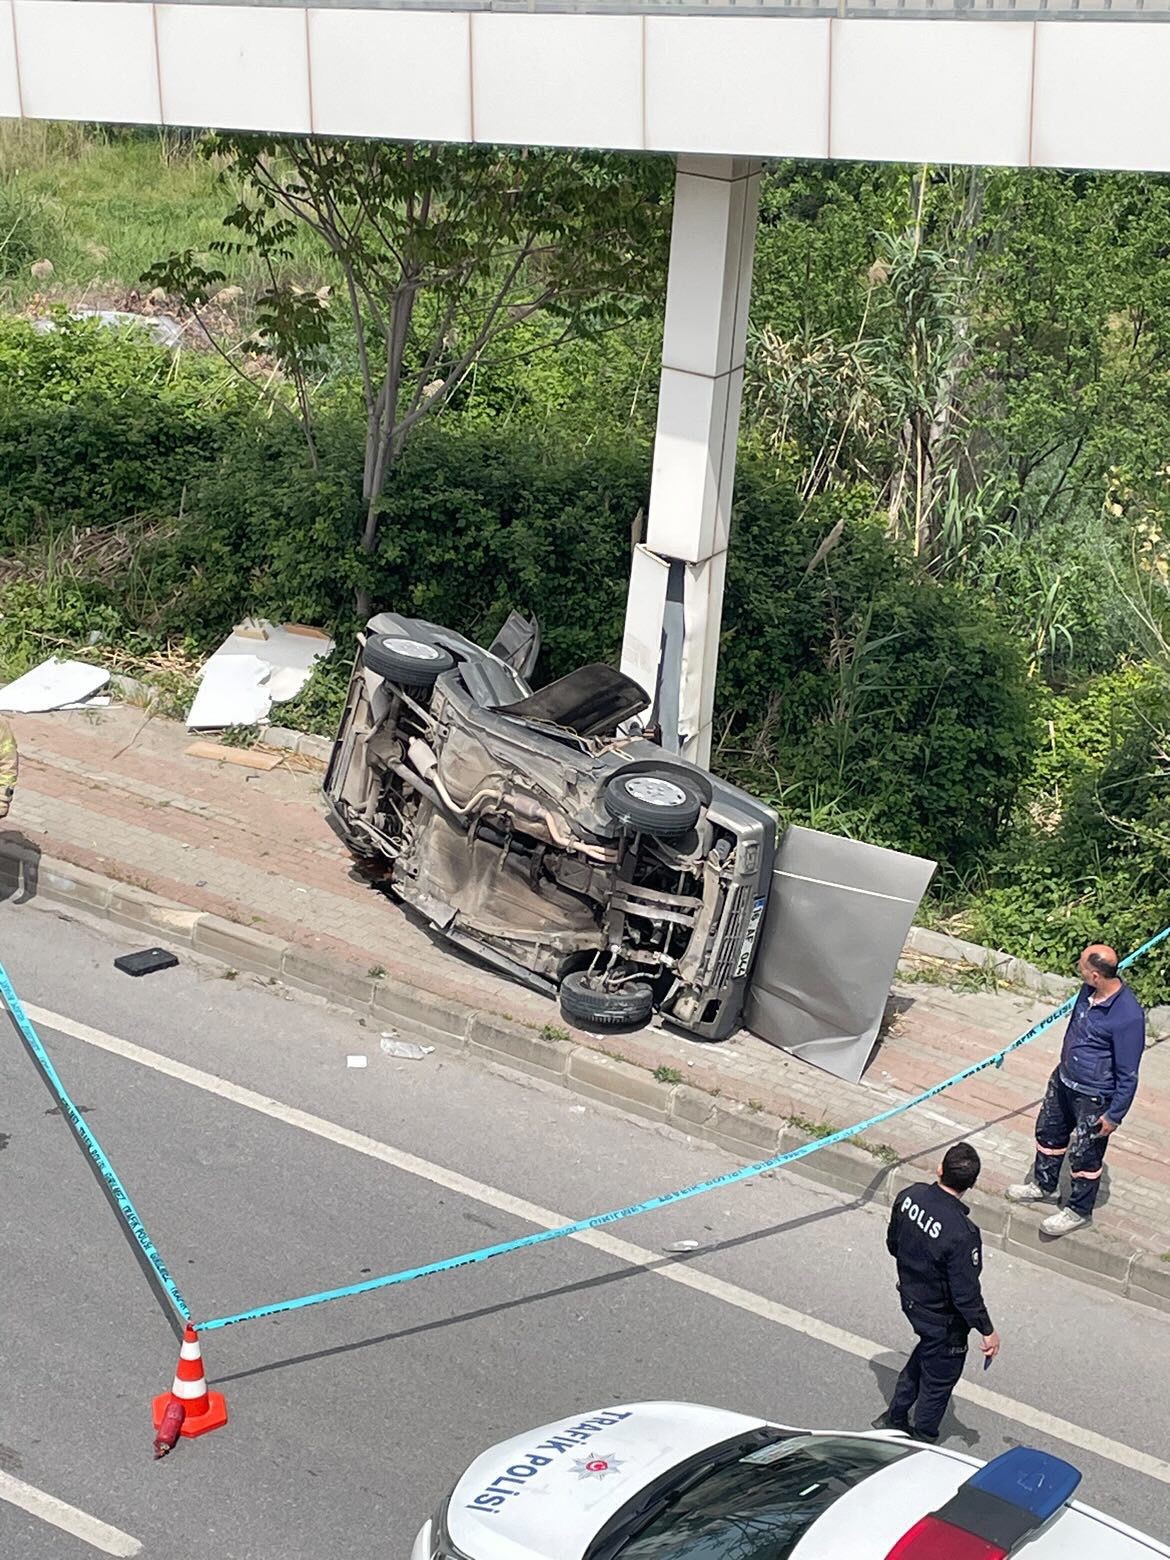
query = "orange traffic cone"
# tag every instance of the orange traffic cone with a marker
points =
(204, 1410)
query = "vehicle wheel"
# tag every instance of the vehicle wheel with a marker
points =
(664, 802)
(587, 1003)
(411, 663)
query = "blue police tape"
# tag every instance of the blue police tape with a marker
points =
(130, 1216)
(105, 1169)
(579, 1226)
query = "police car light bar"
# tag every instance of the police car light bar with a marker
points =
(990, 1514)
(931, 1539)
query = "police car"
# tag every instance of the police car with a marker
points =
(674, 1481)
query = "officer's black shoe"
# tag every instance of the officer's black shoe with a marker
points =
(887, 1422)
(916, 1434)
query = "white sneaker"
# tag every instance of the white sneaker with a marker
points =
(1063, 1223)
(1027, 1192)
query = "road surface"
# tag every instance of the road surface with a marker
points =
(349, 1421)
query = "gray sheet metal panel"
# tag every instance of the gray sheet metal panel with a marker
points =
(837, 921)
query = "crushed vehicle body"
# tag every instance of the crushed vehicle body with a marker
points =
(525, 828)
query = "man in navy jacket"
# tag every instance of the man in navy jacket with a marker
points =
(1089, 1093)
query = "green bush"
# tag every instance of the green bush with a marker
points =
(862, 688)
(38, 615)
(476, 522)
(100, 426)
(481, 522)
(1089, 857)
(265, 533)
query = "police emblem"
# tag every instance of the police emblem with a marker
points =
(596, 1467)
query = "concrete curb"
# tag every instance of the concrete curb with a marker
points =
(1003, 967)
(552, 1053)
(923, 945)
(302, 742)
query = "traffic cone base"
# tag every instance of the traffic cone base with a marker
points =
(214, 1417)
(203, 1410)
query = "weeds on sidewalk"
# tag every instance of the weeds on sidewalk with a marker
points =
(882, 1152)
(812, 1129)
(955, 977)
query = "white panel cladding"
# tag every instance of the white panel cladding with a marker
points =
(1102, 96)
(9, 79)
(87, 61)
(931, 91)
(723, 84)
(1053, 93)
(688, 450)
(548, 80)
(407, 73)
(708, 245)
(645, 604)
(711, 245)
(234, 67)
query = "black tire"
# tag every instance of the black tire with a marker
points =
(586, 1003)
(664, 802)
(409, 663)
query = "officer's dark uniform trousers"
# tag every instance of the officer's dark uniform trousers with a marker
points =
(939, 1253)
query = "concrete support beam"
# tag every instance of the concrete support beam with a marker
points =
(675, 604)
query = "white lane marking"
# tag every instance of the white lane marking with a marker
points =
(110, 1540)
(624, 1251)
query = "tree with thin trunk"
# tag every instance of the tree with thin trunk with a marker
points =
(442, 258)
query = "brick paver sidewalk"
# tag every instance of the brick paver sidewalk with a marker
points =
(108, 792)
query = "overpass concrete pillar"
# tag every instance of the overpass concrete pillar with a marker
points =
(675, 603)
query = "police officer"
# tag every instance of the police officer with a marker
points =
(9, 764)
(939, 1253)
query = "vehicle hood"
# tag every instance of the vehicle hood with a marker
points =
(868, 1520)
(551, 1502)
(592, 700)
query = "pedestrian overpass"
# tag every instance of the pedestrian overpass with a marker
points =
(718, 86)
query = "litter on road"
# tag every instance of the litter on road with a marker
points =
(54, 685)
(146, 962)
(405, 1050)
(357, 1061)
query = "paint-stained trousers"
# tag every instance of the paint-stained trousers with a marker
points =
(1067, 1125)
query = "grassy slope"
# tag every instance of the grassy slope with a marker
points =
(101, 207)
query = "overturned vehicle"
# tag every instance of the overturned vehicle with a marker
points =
(525, 827)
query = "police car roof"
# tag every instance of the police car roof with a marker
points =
(546, 1495)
